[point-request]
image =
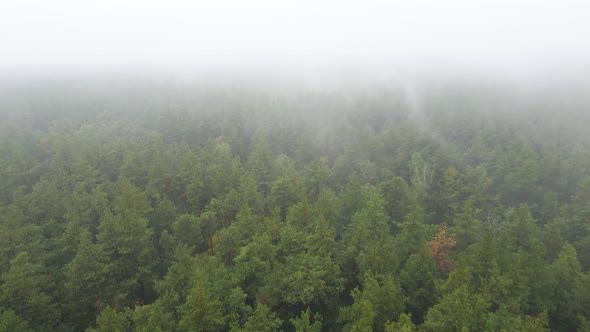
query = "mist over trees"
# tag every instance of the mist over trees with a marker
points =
(137, 204)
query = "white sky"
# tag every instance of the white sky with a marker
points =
(122, 32)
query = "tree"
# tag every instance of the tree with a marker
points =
(360, 316)
(112, 320)
(153, 317)
(398, 198)
(477, 187)
(283, 194)
(421, 176)
(378, 257)
(419, 284)
(467, 225)
(381, 300)
(88, 281)
(262, 320)
(23, 289)
(312, 280)
(460, 308)
(10, 322)
(175, 287)
(582, 299)
(578, 230)
(315, 174)
(260, 164)
(187, 230)
(414, 234)
(403, 324)
(565, 274)
(367, 225)
(222, 213)
(254, 262)
(438, 248)
(449, 192)
(320, 240)
(126, 237)
(327, 204)
(517, 172)
(201, 312)
(350, 201)
(303, 323)
(521, 232)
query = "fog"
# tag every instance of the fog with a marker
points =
(71, 52)
(294, 37)
(415, 165)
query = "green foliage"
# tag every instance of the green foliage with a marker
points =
(201, 311)
(467, 225)
(283, 194)
(23, 289)
(565, 274)
(403, 324)
(579, 230)
(414, 234)
(311, 280)
(421, 175)
(449, 194)
(381, 300)
(260, 164)
(153, 317)
(460, 308)
(360, 315)
(87, 280)
(241, 211)
(262, 320)
(112, 320)
(517, 172)
(10, 322)
(303, 323)
(398, 198)
(187, 230)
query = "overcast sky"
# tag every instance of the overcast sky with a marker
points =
(88, 33)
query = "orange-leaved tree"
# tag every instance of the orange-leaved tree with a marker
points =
(439, 248)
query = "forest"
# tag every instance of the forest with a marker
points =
(152, 205)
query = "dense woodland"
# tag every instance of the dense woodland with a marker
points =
(152, 206)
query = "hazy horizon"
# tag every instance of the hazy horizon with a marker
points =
(266, 38)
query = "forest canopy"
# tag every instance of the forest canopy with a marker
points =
(153, 205)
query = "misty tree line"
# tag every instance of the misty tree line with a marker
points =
(241, 210)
